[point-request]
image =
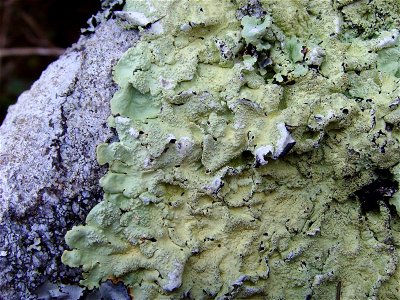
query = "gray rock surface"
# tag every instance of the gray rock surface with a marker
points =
(48, 171)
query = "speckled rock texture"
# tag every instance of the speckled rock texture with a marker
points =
(48, 170)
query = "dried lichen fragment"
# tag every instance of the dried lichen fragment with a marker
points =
(249, 147)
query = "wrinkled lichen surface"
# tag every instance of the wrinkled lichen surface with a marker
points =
(257, 154)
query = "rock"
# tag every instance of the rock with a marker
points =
(48, 170)
(191, 209)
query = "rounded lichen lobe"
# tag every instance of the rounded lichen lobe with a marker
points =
(251, 134)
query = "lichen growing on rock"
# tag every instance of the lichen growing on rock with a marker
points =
(257, 157)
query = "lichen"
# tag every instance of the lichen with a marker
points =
(257, 155)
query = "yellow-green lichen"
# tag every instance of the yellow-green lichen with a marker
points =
(258, 150)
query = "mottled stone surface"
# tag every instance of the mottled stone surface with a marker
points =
(48, 170)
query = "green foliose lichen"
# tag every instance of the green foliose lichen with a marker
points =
(257, 155)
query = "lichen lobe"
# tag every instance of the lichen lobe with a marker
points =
(243, 146)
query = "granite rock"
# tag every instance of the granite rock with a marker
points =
(48, 170)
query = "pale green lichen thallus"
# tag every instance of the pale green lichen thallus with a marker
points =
(252, 135)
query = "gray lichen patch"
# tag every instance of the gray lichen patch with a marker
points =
(257, 157)
(48, 171)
